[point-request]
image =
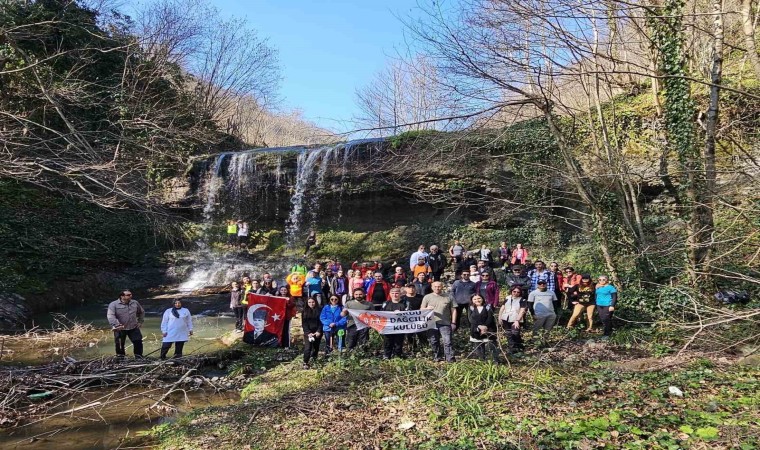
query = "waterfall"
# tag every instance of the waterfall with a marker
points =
(243, 185)
(213, 188)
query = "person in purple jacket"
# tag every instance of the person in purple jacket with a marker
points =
(488, 289)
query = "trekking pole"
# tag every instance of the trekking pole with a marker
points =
(341, 333)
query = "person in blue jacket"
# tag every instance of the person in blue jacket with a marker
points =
(313, 287)
(332, 322)
(606, 299)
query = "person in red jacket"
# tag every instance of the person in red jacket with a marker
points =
(364, 267)
(519, 255)
(378, 291)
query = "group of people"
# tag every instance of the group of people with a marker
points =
(324, 293)
(126, 317)
(238, 233)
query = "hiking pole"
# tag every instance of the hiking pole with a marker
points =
(341, 332)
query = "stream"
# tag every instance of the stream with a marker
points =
(106, 426)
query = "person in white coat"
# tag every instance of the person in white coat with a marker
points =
(176, 328)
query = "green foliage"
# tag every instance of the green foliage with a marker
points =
(45, 237)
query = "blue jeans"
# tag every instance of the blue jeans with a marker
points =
(441, 334)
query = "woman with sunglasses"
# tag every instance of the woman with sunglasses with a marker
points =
(582, 297)
(511, 315)
(332, 322)
(606, 299)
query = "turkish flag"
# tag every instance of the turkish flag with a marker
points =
(264, 320)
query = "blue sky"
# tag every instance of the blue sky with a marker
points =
(327, 48)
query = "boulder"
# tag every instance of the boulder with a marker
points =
(14, 312)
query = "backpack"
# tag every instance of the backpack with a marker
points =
(731, 297)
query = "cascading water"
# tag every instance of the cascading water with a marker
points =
(239, 185)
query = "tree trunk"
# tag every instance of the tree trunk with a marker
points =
(748, 26)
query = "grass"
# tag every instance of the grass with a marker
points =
(531, 402)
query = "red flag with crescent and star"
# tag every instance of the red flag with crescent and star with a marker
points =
(264, 320)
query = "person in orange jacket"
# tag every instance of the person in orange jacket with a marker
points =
(295, 282)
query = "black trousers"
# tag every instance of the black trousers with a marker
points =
(239, 316)
(310, 349)
(437, 275)
(417, 341)
(461, 310)
(393, 345)
(120, 340)
(514, 337)
(356, 337)
(605, 315)
(285, 343)
(481, 350)
(178, 346)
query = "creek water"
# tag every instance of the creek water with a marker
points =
(106, 427)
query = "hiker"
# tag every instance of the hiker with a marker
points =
(332, 322)
(544, 316)
(378, 291)
(421, 284)
(488, 289)
(311, 241)
(474, 274)
(606, 299)
(570, 279)
(295, 282)
(357, 283)
(505, 255)
(511, 315)
(299, 267)
(436, 262)
(335, 265)
(482, 328)
(456, 252)
(461, 293)
(485, 254)
(238, 309)
(242, 235)
(541, 273)
(176, 328)
(399, 277)
(355, 337)
(483, 267)
(421, 267)
(440, 335)
(582, 297)
(340, 286)
(290, 313)
(558, 279)
(393, 344)
(519, 255)
(312, 331)
(413, 301)
(268, 285)
(232, 232)
(468, 261)
(364, 268)
(313, 286)
(126, 316)
(247, 286)
(414, 259)
(518, 278)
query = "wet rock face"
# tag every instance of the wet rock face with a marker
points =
(14, 311)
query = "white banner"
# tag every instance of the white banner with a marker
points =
(393, 322)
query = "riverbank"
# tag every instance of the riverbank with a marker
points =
(576, 394)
